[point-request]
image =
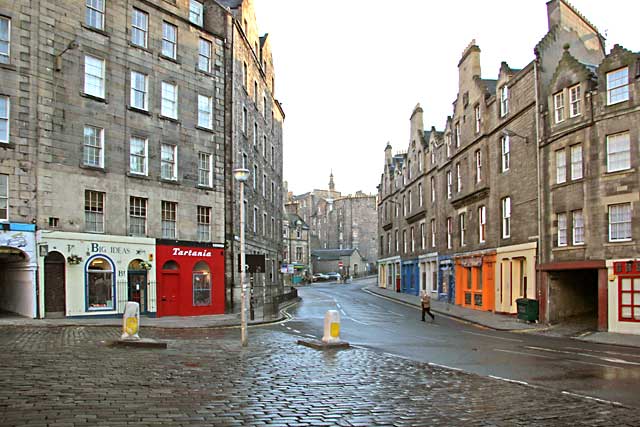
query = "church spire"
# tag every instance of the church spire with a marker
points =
(332, 186)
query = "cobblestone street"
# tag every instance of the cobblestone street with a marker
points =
(69, 377)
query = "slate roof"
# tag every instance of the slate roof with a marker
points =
(491, 85)
(332, 254)
(294, 217)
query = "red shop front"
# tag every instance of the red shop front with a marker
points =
(190, 278)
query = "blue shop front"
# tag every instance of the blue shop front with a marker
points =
(446, 279)
(411, 277)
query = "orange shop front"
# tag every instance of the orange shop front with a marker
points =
(475, 277)
(190, 278)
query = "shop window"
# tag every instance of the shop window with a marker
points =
(100, 284)
(629, 296)
(201, 284)
(170, 265)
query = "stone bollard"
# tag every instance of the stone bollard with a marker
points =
(131, 321)
(331, 327)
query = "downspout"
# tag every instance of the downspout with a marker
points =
(229, 152)
(539, 180)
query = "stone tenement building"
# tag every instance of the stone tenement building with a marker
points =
(256, 119)
(115, 161)
(341, 221)
(529, 190)
(296, 246)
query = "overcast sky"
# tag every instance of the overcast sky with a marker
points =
(349, 72)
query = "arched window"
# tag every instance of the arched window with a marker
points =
(100, 284)
(170, 265)
(201, 284)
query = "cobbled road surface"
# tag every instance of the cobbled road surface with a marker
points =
(67, 376)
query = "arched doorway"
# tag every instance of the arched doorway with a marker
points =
(137, 284)
(54, 285)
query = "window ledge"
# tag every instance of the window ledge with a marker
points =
(170, 181)
(8, 66)
(94, 98)
(8, 145)
(93, 168)
(205, 187)
(204, 72)
(136, 46)
(625, 242)
(169, 119)
(138, 110)
(138, 175)
(170, 59)
(94, 29)
(204, 129)
(619, 172)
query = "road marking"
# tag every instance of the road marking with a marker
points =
(583, 396)
(357, 321)
(491, 336)
(522, 353)
(606, 359)
(296, 331)
(509, 380)
(444, 367)
(343, 312)
(616, 353)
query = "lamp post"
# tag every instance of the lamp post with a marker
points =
(241, 175)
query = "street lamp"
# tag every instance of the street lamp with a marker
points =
(241, 175)
(510, 133)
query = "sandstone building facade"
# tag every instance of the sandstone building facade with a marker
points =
(529, 190)
(116, 140)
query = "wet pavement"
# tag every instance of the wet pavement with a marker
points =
(66, 376)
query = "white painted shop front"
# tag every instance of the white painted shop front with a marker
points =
(83, 274)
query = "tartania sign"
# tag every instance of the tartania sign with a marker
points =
(191, 252)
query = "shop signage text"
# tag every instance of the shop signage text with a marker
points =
(95, 247)
(190, 252)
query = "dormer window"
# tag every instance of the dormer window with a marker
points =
(574, 101)
(504, 101)
(618, 86)
(196, 12)
(558, 107)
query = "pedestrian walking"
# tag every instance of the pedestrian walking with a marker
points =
(425, 299)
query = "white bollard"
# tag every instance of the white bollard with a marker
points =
(131, 321)
(331, 327)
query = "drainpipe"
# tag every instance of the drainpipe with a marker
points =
(539, 181)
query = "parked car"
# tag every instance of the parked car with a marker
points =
(333, 276)
(320, 277)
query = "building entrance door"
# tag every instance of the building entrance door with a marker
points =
(54, 285)
(137, 288)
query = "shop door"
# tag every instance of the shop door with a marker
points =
(168, 301)
(54, 289)
(137, 288)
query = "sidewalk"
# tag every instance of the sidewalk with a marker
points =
(168, 322)
(508, 323)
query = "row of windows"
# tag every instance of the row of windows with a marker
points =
(618, 158)
(94, 149)
(258, 224)
(95, 18)
(617, 91)
(94, 85)
(619, 228)
(95, 207)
